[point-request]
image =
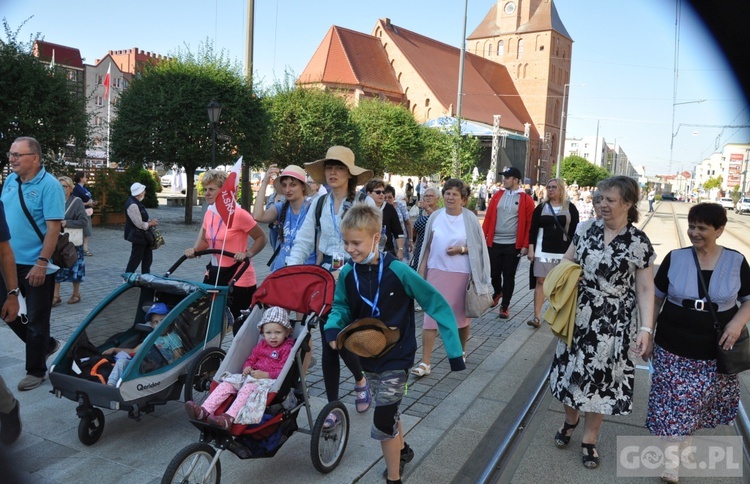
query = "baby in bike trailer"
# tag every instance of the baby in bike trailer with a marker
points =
(169, 345)
(258, 374)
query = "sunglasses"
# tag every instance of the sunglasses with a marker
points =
(379, 192)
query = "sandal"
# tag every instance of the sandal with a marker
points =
(331, 421)
(74, 299)
(88, 253)
(195, 411)
(562, 437)
(363, 399)
(534, 322)
(56, 301)
(590, 461)
(422, 369)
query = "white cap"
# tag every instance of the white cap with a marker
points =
(137, 188)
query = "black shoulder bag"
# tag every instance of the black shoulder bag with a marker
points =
(737, 359)
(557, 222)
(65, 254)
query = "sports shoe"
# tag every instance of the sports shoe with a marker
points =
(10, 425)
(504, 313)
(407, 455)
(195, 411)
(363, 399)
(496, 300)
(29, 382)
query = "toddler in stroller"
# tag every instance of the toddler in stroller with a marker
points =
(169, 345)
(262, 367)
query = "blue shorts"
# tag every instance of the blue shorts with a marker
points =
(387, 388)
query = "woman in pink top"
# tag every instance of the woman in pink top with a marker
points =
(212, 236)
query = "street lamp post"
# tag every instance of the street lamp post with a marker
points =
(214, 112)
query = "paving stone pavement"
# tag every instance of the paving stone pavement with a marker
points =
(111, 252)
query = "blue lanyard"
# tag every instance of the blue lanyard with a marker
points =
(374, 303)
(211, 232)
(298, 222)
(333, 219)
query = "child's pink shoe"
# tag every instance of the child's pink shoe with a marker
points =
(194, 411)
(224, 421)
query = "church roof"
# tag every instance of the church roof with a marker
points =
(64, 55)
(488, 88)
(351, 58)
(545, 18)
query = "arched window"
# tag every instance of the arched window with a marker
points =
(427, 103)
(518, 71)
(525, 68)
(489, 49)
(557, 110)
(500, 47)
(520, 49)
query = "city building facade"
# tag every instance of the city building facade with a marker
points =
(524, 85)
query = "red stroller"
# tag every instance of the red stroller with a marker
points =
(307, 290)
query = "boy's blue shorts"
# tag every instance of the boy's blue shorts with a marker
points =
(387, 390)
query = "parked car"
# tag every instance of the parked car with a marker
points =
(743, 206)
(727, 203)
(668, 197)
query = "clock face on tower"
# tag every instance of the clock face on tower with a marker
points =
(510, 7)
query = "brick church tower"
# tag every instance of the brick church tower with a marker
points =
(528, 37)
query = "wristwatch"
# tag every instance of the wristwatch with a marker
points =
(14, 292)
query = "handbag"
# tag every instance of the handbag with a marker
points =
(736, 360)
(156, 239)
(75, 235)
(65, 254)
(475, 304)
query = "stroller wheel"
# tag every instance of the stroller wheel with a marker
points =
(201, 372)
(193, 464)
(91, 426)
(328, 445)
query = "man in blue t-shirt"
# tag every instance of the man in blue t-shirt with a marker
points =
(35, 233)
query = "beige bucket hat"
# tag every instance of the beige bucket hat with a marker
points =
(316, 169)
(297, 173)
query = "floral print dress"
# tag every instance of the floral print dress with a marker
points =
(596, 373)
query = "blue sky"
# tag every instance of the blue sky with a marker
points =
(623, 52)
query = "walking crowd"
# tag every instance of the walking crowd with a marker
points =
(419, 247)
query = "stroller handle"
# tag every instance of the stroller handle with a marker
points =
(243, 265)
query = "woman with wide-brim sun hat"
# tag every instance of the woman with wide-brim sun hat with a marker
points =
(339, 172)
(289, 214)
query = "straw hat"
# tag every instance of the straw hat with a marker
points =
(295, 172)
(317, 171)
(368, 337)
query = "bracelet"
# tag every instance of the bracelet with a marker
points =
(43, 258)
(646, 329)
(43, 267)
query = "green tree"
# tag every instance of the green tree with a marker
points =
(162, 116)
(306, 122)
(578, 169)
(713, 182)
(37, 102)
(440, 146)
(389, 136)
